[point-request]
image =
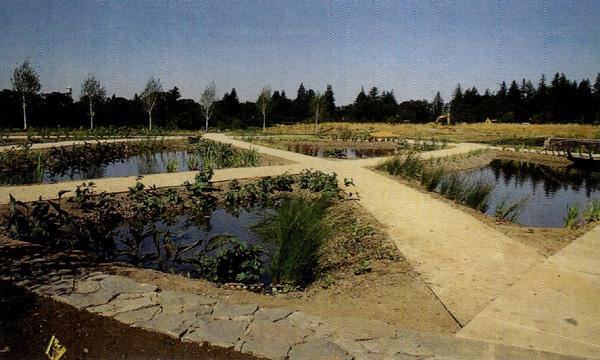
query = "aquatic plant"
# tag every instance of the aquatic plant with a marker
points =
(235, 262)
(477, 194)
(431, 176)
(408, 166)
(298, 230)
(574, 212)
(172, 164)
(592, 213)
(506, 211)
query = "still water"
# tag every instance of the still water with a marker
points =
(550, 189)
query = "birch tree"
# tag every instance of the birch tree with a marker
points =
(318, 105)
(94, 94)
(150, 96)
(207, 100)
(26, 82)
(264, 104)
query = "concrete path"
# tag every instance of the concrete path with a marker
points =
(480, 275)
(555, 307)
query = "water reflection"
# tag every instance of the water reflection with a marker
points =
(551, 189)
(136, 165)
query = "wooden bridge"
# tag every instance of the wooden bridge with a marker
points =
(573, 149)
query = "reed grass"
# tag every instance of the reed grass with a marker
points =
(574, 212)
(593, 211)
(298, 229)
(510, 211)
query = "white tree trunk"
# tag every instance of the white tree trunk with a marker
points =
(24, 114)
(150, 120)
(206, 123)
(264, 122)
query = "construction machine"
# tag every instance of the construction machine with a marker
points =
(446, 116)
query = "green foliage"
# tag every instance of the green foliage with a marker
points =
(593, 211)
(574, 212)
(319, 182)
(201, 182)
(219, 155)
(236, 262)
(172, 164)
(298, 230)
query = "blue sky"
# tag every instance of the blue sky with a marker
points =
(414, 48)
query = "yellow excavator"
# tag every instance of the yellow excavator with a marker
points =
(446, 116)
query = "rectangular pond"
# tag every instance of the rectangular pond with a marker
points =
(549, 190)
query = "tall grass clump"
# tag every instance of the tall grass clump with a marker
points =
(593, 211)
(453, 186)
(431, 176)
(477, 194)
(573, 214)
(298, 230)
(409, 166)
(506, 211)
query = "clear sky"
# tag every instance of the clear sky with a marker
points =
(414, 48)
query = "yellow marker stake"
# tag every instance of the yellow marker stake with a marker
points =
(55, 350)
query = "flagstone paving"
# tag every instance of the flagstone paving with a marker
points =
(491, 283)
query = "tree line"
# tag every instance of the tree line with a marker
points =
(560, 101)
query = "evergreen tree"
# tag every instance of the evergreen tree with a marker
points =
(437, 107)
(329, 102)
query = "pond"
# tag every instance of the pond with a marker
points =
(550, 190)
(186, 230)
(144, 164)
(340, 153)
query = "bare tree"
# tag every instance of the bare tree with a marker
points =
(317, 105)
(150, 96)
(264, 104)
(94, 94)
(26, 82)
(207, 100)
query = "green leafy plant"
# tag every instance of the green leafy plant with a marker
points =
(172, 164)
(431, 176)
(574, 212)
(236, 262)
